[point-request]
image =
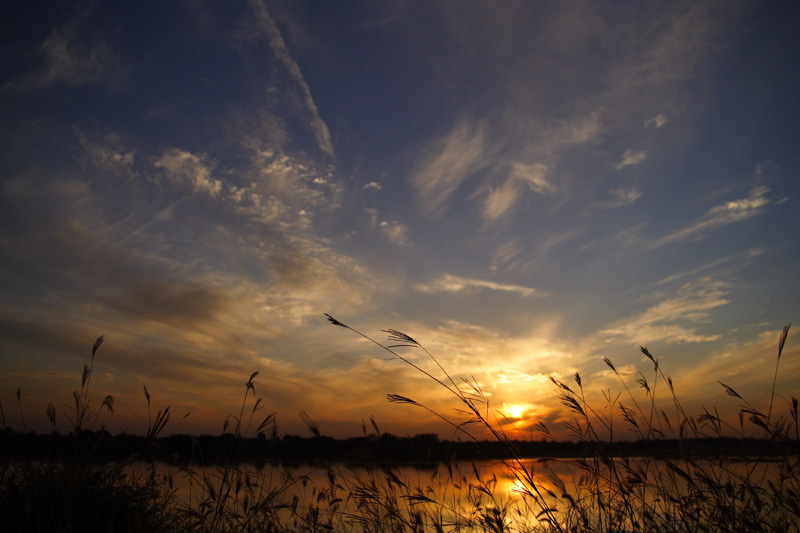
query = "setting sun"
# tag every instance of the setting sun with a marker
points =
(514, 411)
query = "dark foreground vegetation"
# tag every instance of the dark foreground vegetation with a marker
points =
(682, 473)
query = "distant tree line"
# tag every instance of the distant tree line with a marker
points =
(102, 447)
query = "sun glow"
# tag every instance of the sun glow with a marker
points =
(514, 411)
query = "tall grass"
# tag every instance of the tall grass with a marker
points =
(68, 491)
(618, 493)
(600, 492)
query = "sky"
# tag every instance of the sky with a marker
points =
(524, 188)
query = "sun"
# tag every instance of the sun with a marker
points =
(515, 411)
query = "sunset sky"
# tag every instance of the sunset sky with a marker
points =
(523, 187)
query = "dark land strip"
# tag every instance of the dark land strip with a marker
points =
(102, 447)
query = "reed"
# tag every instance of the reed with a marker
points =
(68, 491)
(624, 494)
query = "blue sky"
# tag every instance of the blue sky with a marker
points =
(522, 187)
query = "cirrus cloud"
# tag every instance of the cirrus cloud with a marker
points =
(456, 284)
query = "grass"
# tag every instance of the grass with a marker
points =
(69, 492)
(67, 496)
(598, 492)
(618, 494)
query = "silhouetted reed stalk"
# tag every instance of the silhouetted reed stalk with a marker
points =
(82, 414)
(70, 491)
(471, 400)
(683, 493)
(229, 496)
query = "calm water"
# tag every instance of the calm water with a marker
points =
(453, 493)
(456, 493)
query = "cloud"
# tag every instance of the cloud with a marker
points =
(741, 259)
(185, 168)
(764, 167)
(261, 231)
(64, 59)
(447, 162)
(721, 215)
(507, 254)
(108, 153)
(633, 235)
(657, 121)
(94, 278)
(395, 232)
(627, 196)
(500, 199)
(304, 275)
(534, 176)
(674, 319)
(576, 130)
(372, 186)
(149, 272)
(282, 54)
(558, 239)
(507, 367)
(670, 49)
(516, 256)
(622, 197)
(631, 157)
(184, 304)
(748, 367)
(456, 284)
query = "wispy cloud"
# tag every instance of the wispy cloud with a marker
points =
(748, 367)
(261, 222)
(632, 235)
(721, 215)
(185, 168)
(469, 148)
(501, 199)
(395, 232)
(631, 157)
(621, 198)
(65, 59)
(108, 153)
(534, 176)
(447, 162)
(675, 318)
(517, 256)
(657, 121)
(508, 254)
(740, 259)
(535, 163)
(559, 239)
(763, 168)
(282, 54)
(456, 284)
(575, 130)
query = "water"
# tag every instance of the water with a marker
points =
(467, 495)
